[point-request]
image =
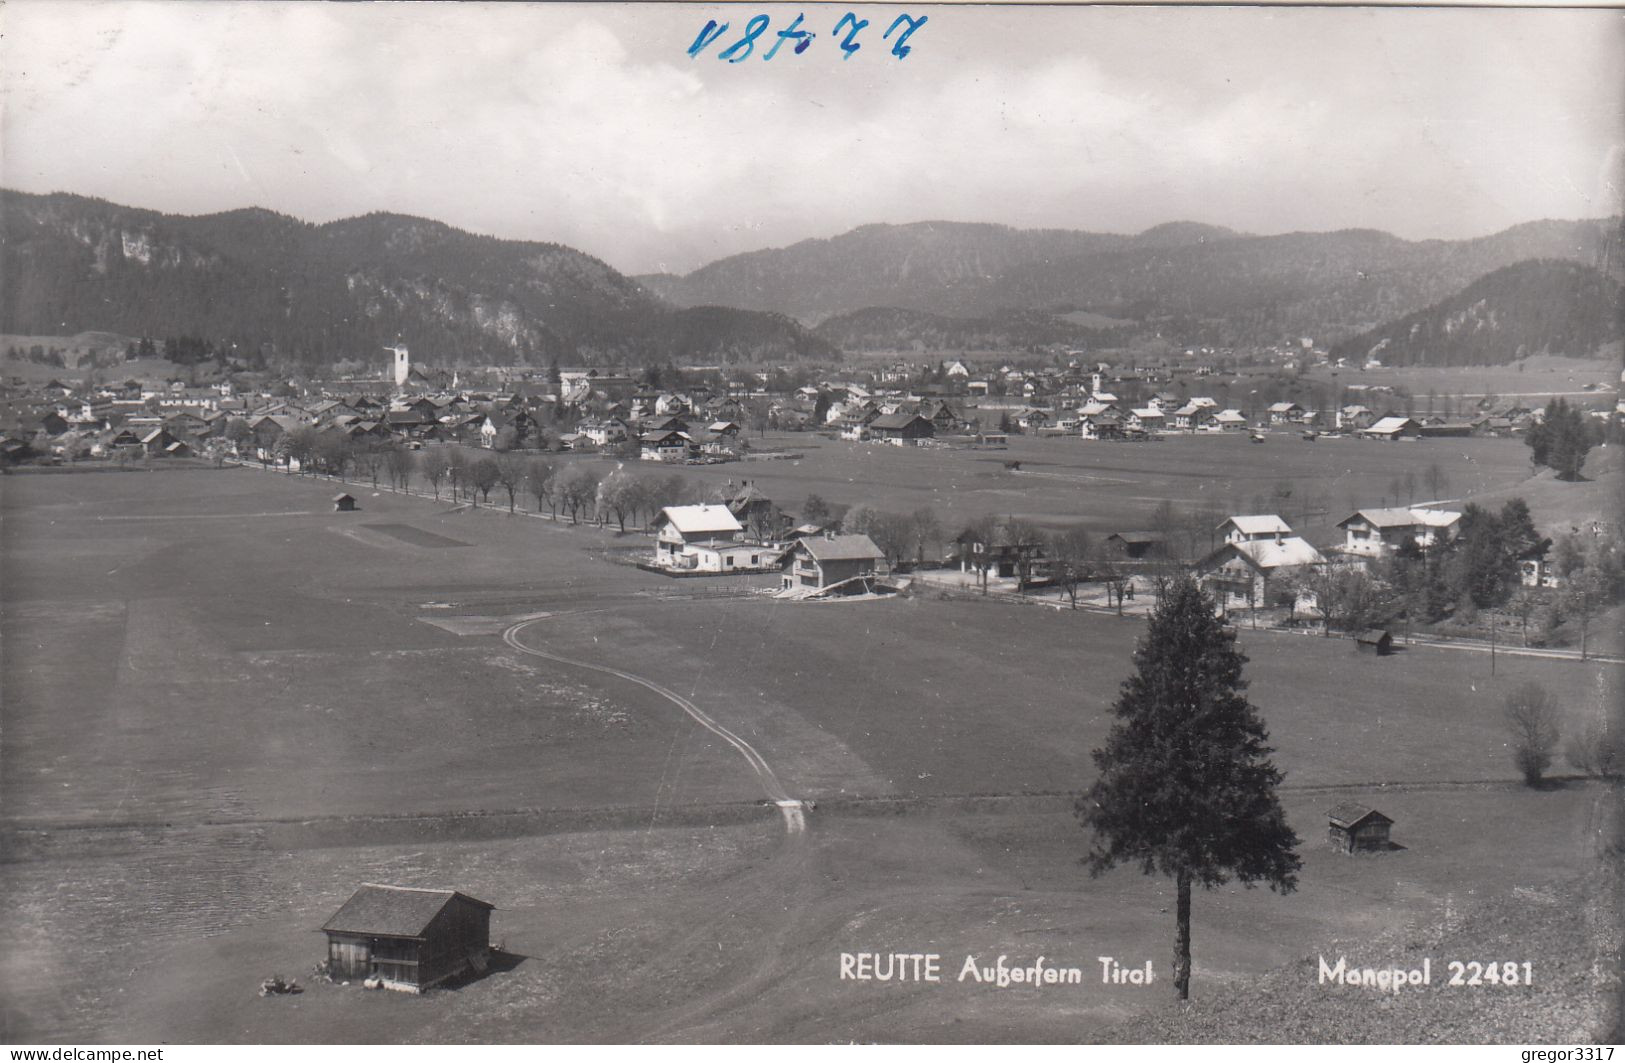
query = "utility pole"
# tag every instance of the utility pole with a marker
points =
(1492, 644)
(1585, 616)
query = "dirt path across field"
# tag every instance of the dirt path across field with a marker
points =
(789, 807)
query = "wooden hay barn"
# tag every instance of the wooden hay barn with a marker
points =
(344, 503)
(409, 939)
(1374, 640)
(1355, 828)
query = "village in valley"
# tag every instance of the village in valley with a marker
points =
(1402, 541)
(809, 622)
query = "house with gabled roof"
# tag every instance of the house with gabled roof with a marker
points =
(1145, 419)
(678, 528)
(605, 433)
(406, 938)
(1107, 424)
(1379, 532)
(1285, 413)
(820, 562)
(669, 445)
(1392, 428)
(1353, 827)
(1255, 573)
(1190, 417)
(1254, 527)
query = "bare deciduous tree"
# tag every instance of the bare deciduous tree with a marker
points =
(434, 465)
(510, 474)
(539, 480)
(1532, 717)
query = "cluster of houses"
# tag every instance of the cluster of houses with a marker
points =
(744, 533)
(604, 409)
(1259, 562)
(62, 421)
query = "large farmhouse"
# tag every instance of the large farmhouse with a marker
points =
(1256, 564)
(901, 426)
(409, 939)
(1379, 532)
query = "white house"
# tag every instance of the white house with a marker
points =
(605, 433)
(1255, 573)
(1255, 528)
(1285, 413)
(1378, 532)
(686, 535)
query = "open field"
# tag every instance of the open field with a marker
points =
(1113, 486)
(226, 705)
(1541, 376)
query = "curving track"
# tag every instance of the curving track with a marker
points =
(790, 807)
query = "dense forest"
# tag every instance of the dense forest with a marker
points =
(1537, 307)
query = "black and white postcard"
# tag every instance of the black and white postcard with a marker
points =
(744, 523)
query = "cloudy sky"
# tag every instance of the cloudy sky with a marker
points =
(590, 125)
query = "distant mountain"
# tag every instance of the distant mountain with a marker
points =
(318, 293)
(1190, 282)
(1536, 307)
(920, 266)
(886, 328)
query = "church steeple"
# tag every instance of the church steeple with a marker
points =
(403, 363)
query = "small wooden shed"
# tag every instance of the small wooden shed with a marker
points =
(344, 503)
(1355, 828)
(409, 939)
(1375, 640)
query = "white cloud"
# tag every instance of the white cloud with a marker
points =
(588, 124)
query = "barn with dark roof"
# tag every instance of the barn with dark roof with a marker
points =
(409, 939)
(1353, 828)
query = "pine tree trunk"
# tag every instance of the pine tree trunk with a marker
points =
(1182, 939)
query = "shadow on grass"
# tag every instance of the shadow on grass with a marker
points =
(1557, 783)
(497, 961)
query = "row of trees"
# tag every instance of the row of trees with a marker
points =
(459, 473)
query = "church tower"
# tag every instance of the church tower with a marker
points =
(403, 364)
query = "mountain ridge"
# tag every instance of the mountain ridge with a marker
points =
(320, 292)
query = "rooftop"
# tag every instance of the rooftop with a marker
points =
(1284, 553)
(1260, 524)
(1350, 814)
(842, 548)
(392, 911)
(698, 520)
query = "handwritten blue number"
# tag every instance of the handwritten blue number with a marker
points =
(793, 32)
(901, 50)
(850, 45)
(753, 30)
(710, 33)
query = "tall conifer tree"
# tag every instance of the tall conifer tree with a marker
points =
(1186, 786)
